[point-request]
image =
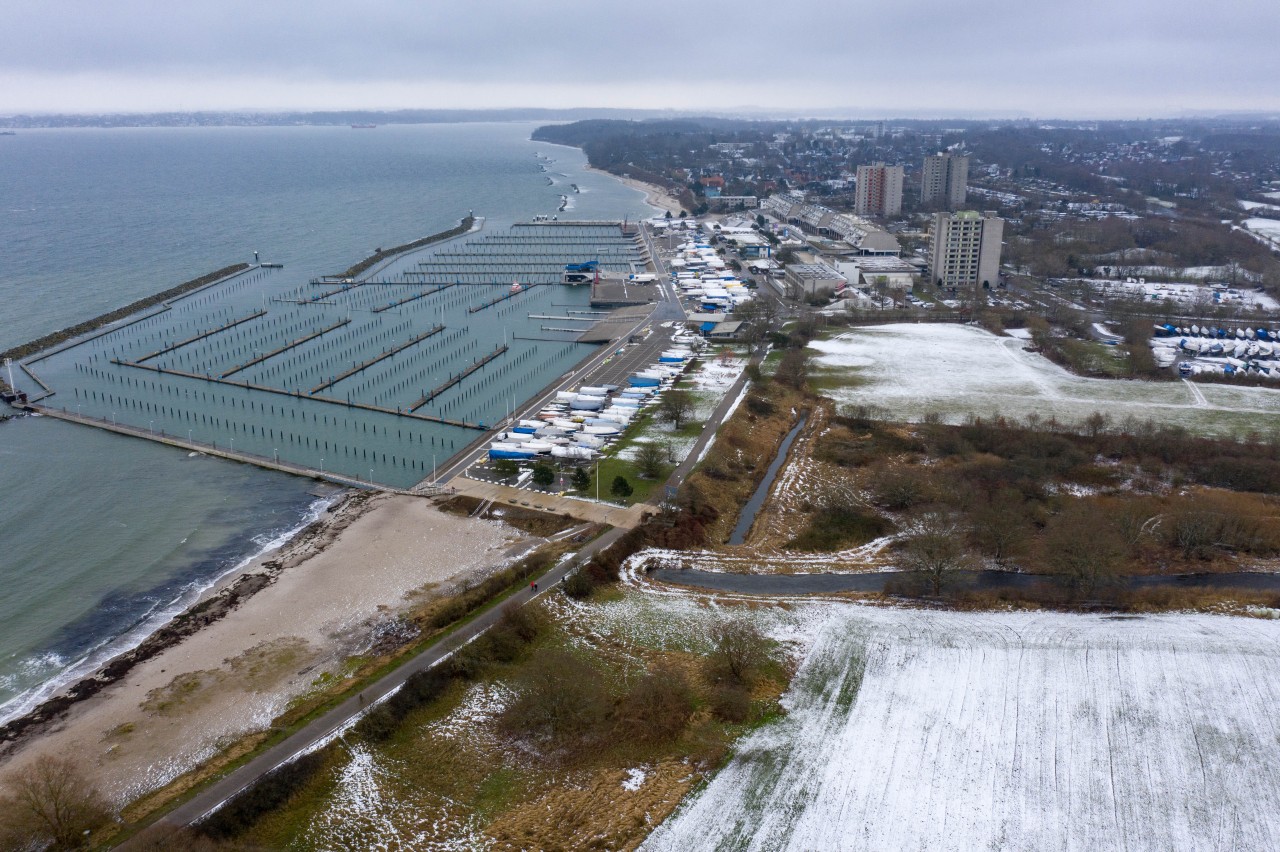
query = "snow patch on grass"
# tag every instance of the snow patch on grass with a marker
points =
(635, 779)
(363, 815)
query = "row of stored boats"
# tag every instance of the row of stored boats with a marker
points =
(1216, 333)
(578, 424)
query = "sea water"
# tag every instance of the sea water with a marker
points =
(103, 537)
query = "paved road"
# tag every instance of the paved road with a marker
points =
(878, 581)
(586, 510)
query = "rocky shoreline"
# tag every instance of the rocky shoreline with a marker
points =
(310, 539)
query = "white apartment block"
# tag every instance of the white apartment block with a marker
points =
(965, 249)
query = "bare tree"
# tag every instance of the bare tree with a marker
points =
(657, 706)
(650, 457)
(1000, 526)
(935, 551)
(793, 369)
(561, 696)
(676, 407)
(1083, 544)
(739, 651)
(50, 806)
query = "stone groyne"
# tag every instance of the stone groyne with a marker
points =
(383, 254)
(26, 350)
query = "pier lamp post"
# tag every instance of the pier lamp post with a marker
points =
(370, 476)
(275, 454)
(77, 410)
(233, 445)
(151, 426)
(189, 441)
(435, 480)
(113, 418)
(322, 465)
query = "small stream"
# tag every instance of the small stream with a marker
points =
(749, 512)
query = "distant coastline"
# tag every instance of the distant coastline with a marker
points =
(317, 118)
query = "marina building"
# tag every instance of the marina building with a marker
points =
(879, 190)
(965, 249)
(944, 179)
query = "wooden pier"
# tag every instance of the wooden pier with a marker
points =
(273, 353)
(328, 400)
(395, 350)
(202, 335)
(489, 304)
(424, 294)
(458, 378)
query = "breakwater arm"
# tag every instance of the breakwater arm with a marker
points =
(383, 254)
(26, 350)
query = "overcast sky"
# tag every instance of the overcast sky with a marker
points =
(1094, 58)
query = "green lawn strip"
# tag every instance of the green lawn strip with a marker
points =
(610, 467)
(1090, 356)
(835, 378)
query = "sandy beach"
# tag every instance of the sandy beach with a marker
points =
(655, 196)
(335, 594)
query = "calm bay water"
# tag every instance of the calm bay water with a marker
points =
(101, 536)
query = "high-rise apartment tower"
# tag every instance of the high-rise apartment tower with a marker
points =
(965, 249)
(879, 190)
(943, 180)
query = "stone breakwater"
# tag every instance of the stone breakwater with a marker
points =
(383, 254)
(26, 350)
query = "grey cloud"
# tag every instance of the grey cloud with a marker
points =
(1111, 55)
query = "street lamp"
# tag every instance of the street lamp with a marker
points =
(152, 427)
(189, 437)
(275, 454)
(322, 465)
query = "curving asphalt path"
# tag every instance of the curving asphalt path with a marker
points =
(879, 581)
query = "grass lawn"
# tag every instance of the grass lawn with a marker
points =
(613, 467)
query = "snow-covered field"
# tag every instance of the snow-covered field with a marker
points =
(950, 731)
(1267, 229)
(959, 371)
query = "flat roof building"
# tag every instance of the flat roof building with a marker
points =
(893, 272)
(807, 279)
